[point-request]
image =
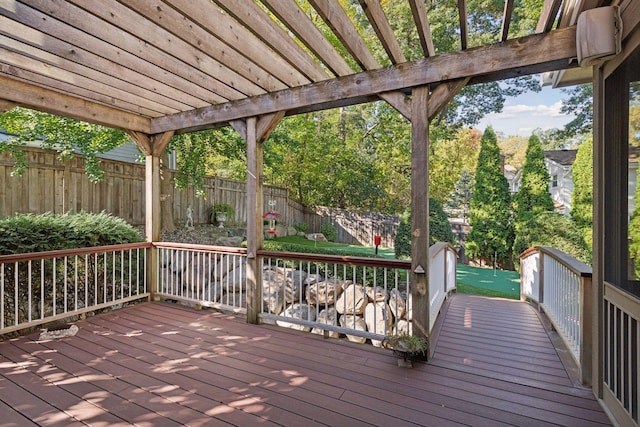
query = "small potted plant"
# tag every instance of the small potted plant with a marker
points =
(408, 346)
(221, 212)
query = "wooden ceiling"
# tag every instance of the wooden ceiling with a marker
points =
(153, 66)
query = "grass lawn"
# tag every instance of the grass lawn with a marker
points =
(484, 281)
(471, 280)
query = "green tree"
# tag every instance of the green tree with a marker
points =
(490, 213)
(58, 133)
(582, 197)
(460, 198)
(533, 197)
(439, 229)
(555, 230)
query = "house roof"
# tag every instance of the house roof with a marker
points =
(183, 65)
(562, 157)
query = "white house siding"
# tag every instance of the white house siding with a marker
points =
(560, 185)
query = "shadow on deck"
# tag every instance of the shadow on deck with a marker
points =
(160, 364)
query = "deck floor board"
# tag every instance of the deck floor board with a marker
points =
(163, 364)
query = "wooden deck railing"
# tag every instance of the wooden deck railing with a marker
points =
(299, 290)
(561, 286)
(42, 287)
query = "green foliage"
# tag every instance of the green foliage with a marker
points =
(555, 230)
(533, 197)
(301, 227)
(24, 233)
(329, 231)
(439, 229)
(59, 133)
(582, 197)
(490, 212)
(460, 199)
(580, 104)
(405, 343)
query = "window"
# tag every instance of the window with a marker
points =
(554, 181)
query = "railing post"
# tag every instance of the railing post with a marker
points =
(586, 330)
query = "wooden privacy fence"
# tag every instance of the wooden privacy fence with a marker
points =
(51, 184)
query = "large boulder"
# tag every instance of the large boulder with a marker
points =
(354, 322)
(378, 319)
(328, 316)
(352, 300)
(324, 293)
(298, 311)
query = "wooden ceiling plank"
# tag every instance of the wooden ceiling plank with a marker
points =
(419, 11)
(525, 55)
(464, 31)
(75, 59)
(73, 90)
(148, 58)
(506, 20)
(113, 46)
(300, 24)
(381, 26)
(269, 32)
(38, 98)
(548, 15)
(193, 30)
(41, 62)
(124, 19)
(338, 20)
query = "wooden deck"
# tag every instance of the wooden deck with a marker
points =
(161, 364)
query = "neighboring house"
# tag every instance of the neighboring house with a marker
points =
(513, 176)
(559, 164)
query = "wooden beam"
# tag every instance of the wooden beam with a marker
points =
(253, 17)
(420, 212)
(6, 105)
(419, 12)
(443, 94)
(506, 19)
(266, 125)
(42, 99)
(464, 32)
(532, 54)
(380, 23)
(548, 15)
(300, 24)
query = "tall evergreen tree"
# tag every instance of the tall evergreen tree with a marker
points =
(582, 197)
(490, 213)
(533, 197)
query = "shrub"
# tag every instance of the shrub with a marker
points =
(329, 231)
(439, 229)
(555, 230)
(24, 233)
(301, 227)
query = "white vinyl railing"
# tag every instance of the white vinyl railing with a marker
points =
(442, 277)
(42, 287)
(209, 276)
(560, 285)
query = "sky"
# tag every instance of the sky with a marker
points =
(523, 114)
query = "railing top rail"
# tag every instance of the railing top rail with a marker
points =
(439, 247)
(339, 259)
(226, 249)
(577, 267)
(34, 256)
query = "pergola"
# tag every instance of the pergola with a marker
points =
(159, 68)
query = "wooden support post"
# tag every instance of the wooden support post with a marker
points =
(254, 220)
(152, 146)
(420, 211)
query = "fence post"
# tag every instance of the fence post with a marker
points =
(586, 330)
